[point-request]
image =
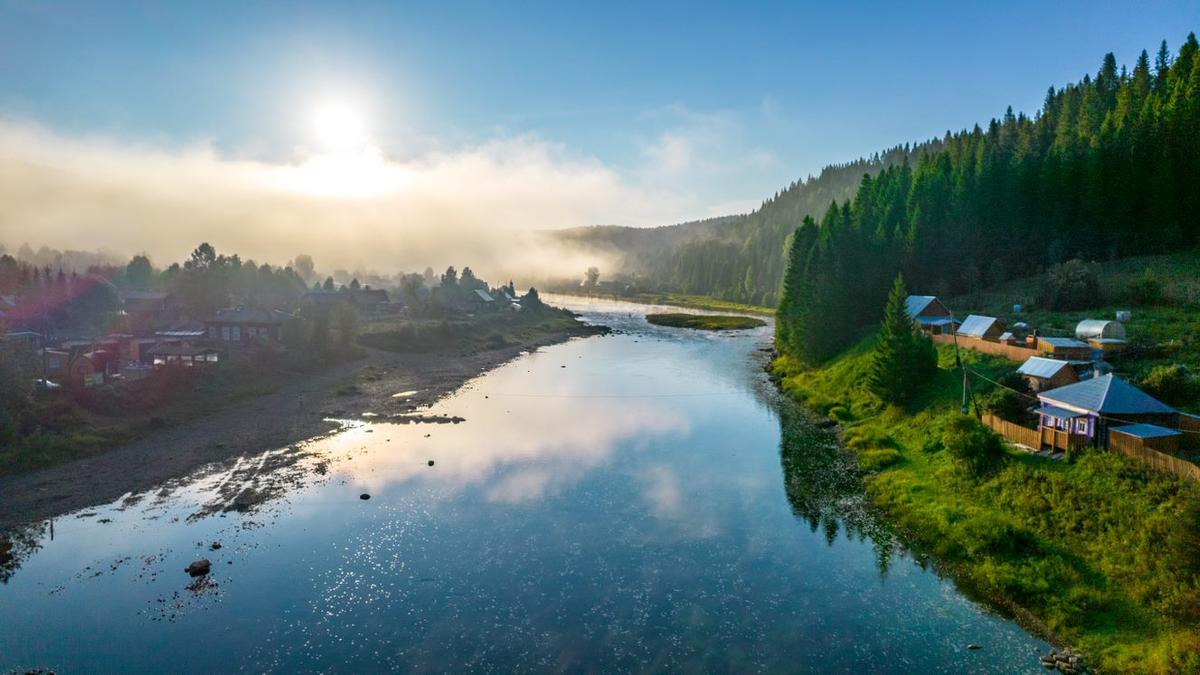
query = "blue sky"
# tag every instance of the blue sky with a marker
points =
(715, 104)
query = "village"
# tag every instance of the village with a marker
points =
(1072, 395)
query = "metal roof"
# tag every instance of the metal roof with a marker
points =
(1037, 366)
(976, 326)
(935, 320)
(1146, 431)
(1099, 328)
(1064, 342)
(484, 295)
(915, 304)
(1061, 413)
(1106, 394)
(244, 315)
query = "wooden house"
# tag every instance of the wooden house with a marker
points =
(144, 309)
(244, 325)
(1043, 374)
(183, 356)
(929, 314)
(1092, 407)
(981, 327)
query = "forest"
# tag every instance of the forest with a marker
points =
(1108, 168)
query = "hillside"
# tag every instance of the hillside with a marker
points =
(738, 258)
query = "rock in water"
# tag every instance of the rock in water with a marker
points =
(216, 546)
(199, 568)
(364, 496)
(973, 646)
(431, 462)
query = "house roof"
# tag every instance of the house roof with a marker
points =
(935, 320)
(976, 325)
(182, 328)
(1061, 413)
(1064, 342)
(1037, 366)
(484, 295)
(245, 315)
(1146, 431)
(180, 350)
(1106, 394)
(915, 304)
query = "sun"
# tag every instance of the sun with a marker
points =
(338, 126)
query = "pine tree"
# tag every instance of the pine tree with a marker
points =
(903, 359)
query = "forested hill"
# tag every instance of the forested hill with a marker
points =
(1109, 167)
(739, 258)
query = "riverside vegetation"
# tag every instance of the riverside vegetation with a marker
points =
(705, 321)
(1098, 552)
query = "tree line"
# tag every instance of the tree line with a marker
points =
(1109, 167)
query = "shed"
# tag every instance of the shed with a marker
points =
(1149, 436)
(1064, 348)
(1044, 374)
(982, 327)
(1093, 329)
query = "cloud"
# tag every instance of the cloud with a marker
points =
(473, 205)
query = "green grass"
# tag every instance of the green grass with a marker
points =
(1074, 549)
(705, 322)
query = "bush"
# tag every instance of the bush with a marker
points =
(974, 447)
(878, 459)
(839, 413)
(1070, 285)
(1174, 384)
(1146, 290)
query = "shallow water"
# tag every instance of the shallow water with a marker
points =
(635, 502)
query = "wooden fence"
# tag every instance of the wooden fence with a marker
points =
(1190, 426)
(1011, 352)
(1031, 438)
(1131, 446)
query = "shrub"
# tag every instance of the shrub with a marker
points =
(1070, 285)
(1146, 290)
(1173, 384)
(840, 413)
(974, 447)
(878, 459)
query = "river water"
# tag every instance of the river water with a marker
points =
(641, 501)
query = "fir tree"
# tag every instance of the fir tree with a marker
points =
(903, 359)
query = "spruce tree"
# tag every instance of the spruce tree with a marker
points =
(903, 359)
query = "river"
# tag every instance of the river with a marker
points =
(642, 501)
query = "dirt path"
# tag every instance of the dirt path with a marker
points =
(295, 412)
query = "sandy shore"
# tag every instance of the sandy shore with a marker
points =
(295, 412)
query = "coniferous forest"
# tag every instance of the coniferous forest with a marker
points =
(1108, 168)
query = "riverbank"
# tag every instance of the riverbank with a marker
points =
(297, 407)
(700, 302)
(1086, 552)
(705, 321)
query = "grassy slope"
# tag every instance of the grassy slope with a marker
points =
(1072, 549)
(1076, 549)
(704, 321)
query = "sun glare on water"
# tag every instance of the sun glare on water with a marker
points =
(345, 164)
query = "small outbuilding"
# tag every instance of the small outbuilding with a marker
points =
(981, 327)
(1064, 348)
(930, 315)
(1043, 374)
(1090, 329)
(1150, 436)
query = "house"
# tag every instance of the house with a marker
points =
(480, 299)
(184, 329)
(1093, 407)
(1044, 374)
(981, 327)
(1107, 336)
(25, 338)
(144, 308)
(244, 325)
(929, 314)
(1068, 349)
(183, 356)
(78, 369)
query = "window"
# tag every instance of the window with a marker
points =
(225, 333)
(237, 333)
(53, 363)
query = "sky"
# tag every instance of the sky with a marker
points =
(454, 120)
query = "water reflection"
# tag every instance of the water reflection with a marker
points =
(607, 504)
